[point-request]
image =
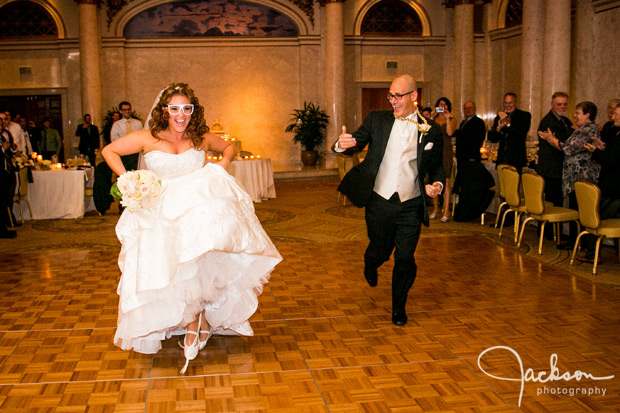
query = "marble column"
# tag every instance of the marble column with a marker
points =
(556, 50)
(530, 93)
(464, 74)
(582, 67)
(334, 75)
(90, 59)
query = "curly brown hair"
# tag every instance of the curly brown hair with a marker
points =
(159, 117)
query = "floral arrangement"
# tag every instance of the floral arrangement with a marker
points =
(137, 189)
(22, 162)
(44, 165)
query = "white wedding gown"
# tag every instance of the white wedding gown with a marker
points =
(200, 246)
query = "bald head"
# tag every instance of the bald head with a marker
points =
(407, 80)
(404, 94)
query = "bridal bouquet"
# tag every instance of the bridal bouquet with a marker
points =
(137, 189)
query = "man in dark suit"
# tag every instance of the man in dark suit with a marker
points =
(550, 159)
(510, 129)
(473, 181)
(402, 148)
(89, 139)
(470, 135)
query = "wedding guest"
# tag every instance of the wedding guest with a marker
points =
(607, 154)
(550, 158)
(510, 128)
(51, 142)
(402, 148)
(107, 129)
(578, 163)
(473, 181)
(89, 138)
(442, 114)
(7, 178)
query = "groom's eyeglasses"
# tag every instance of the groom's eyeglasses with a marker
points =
(176, 109)
(397, 96)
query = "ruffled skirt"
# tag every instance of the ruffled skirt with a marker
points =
(201, 247)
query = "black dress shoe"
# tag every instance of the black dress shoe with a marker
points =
(399, 318)
(371, 277)
(8, 234)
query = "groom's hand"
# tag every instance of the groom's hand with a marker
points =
(346, 140)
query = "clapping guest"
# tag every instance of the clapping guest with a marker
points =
(578, 163)
(607, 154)
(443, 117)
(550, 158)
(510, 129)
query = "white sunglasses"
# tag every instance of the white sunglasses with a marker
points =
(187, 109)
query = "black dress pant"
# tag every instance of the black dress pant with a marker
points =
(553, 191)
(394, 226)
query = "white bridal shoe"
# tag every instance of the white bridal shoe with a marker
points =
(209, 333)
(191, 350)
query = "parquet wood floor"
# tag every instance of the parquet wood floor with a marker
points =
(324, 341)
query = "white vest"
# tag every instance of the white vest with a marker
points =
(399, 168)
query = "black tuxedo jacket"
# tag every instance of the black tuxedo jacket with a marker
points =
(550, 159)
(469, 139)
(359, 182)
(512, 139)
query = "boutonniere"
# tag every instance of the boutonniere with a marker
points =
(423, 127)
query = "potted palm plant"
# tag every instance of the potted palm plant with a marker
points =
(309, 126)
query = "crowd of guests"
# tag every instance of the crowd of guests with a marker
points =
(21, 137)
(568, 151)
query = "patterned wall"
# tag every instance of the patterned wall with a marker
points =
(210, 18)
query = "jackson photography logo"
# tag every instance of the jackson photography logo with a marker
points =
(547, 377)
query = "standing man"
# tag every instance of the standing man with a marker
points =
(89, 139)
(470, 135)
(550, 159)
(510, 129)
(402, 148)
(103, 173)
(27, 142)
(7, 178)
(51, 142)
(473, 181)
(123, 127)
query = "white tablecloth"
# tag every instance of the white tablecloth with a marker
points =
(58, 194)
(256, 177)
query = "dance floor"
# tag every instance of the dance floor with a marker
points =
(491, 328)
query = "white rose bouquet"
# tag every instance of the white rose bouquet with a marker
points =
(137, 189)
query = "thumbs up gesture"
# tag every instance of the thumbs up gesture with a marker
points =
(346, 140)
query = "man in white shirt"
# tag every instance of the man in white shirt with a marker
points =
(403, 147)
(16, 132)
(103, 173)
(126, 125)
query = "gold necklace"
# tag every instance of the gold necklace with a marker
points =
(422, 129)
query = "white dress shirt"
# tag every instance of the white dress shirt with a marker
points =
(399, 168)
(119, 128)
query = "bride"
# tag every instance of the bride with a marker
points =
(196, 261)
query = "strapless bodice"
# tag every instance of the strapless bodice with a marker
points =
(171, 165)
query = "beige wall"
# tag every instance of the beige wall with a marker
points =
(252, 85)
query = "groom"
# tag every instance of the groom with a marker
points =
(402, 148)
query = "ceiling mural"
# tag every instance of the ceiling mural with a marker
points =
(210, 18)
